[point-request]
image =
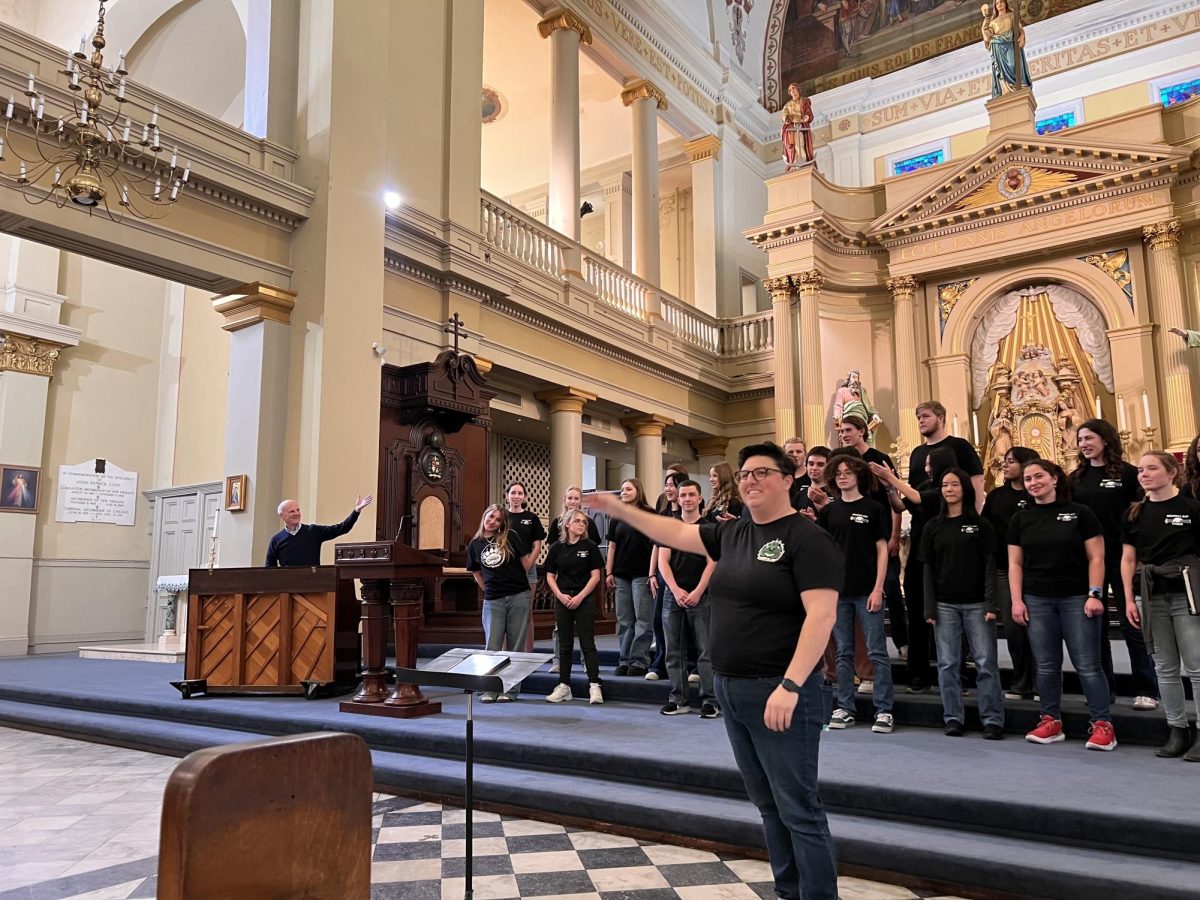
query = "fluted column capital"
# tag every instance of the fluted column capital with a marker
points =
(903, 287)
(565, 399)
(643, 90)
(650, 425)
(560, 19)
(1163, 235)
(809, 283)
(30, 355)
(781, 288)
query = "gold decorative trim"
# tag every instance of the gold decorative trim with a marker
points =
(643, 90)
(254, 303)
(482, 365)
(948, 296)
(32, 356)
(903, 287)
(565, 399)
(651, 425)
(1163, 235)
(560, 19)
(809, 283)
(781, 289)
(707, 147)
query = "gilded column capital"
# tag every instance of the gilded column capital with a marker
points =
(809, 283)
(707, 147)
(253, 303)
(559, 19)
(1163, 235)
(32, 356)
(565, 399)
(710, 446)
(903, 287)
(781, 288)
(650, 425)
(643, 90)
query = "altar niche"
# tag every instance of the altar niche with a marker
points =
(434, 438)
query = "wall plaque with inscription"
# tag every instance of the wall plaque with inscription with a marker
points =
(96, 491)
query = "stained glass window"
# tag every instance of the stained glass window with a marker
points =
(1056, 123)
(1179, 93)
(922, 161)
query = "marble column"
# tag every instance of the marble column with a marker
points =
(31, 342)
(648, 450)
(618, 219)
(785, 357)
(705, 154)
(566, 31)
(1177, 366)
(709, 452)
(812, 392)
(645, 100)
(566, 438)
(908, 383)
(258, 319)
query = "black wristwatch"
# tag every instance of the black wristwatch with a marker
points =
(1096, 594)
(788, 685)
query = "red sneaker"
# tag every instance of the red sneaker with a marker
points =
(1101, 736)
(1049, 731)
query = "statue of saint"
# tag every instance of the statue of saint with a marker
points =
(1004, 37)
(797, 130)
(851, 400)
(1001, 429)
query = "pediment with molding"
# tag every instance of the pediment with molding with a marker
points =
(1017, 177)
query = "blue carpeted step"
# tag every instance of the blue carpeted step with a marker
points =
(1014, 865)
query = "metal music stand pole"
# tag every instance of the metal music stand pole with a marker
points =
(470, 861)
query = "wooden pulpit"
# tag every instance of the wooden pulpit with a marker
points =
(393, 575)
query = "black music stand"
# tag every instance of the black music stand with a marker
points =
(514, 667)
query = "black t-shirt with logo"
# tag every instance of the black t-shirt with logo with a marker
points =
(572, 564)
(1165, 531)
(528, 526)
(880, 494)
(503, 576)
(959, 554)
(1109, 497)
(1000, 506)
(1051, 537)
(856, 526)
(755, 590)
(631, 558)
(964, 455)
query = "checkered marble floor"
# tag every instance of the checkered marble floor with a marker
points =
(80, 820)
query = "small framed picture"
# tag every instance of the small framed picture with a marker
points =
(235, 493)
(20, 489)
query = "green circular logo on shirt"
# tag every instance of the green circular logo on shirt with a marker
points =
(771, 551)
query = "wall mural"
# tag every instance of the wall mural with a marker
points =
(826, 43)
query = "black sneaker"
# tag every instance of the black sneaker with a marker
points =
(621, 670)
(709, 711)
(954, 728)
(917, 687)
(674, 709)
(637, 671)
(993, 732)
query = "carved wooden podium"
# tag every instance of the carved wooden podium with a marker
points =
(392, 574)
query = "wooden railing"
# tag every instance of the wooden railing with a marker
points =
(540, 247)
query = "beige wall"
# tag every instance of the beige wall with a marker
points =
(203, 377)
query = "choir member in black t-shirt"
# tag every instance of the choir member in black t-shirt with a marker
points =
(628, 568)
(1055, 551)
(960, 598)
(931, 423)
(860, 526)
(499, 559)
(573, 568)
(572, 500)
(668, 505)
(774, 597)
(723, 502)
(527, 524)
(1105, 483)
(1162, 534)
(1191, 470)
(1000, 506)
(814, 476)
(795, 448)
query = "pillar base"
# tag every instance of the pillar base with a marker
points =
(415, 711)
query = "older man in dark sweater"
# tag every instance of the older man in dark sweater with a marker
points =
(300, 545)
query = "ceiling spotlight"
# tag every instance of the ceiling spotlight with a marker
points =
(391, 200)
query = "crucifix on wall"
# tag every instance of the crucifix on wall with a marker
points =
(454, 326)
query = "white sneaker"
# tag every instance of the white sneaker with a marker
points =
(560, 693)
(652, 676)
(902, 652)
(594, 694)
(1145, 703)
(694, 678)
(884, 723)
(554, 667)
(841, 719)
(866, 687)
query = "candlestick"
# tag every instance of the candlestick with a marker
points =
(1146, 407)
(1148, 437)
(955, 425)
(1122, 423)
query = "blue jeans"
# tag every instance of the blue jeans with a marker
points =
(635, 626)
(779, 769)
(1053, 620)
(507, 617)
(953, 620)
(848, 608)
(676, 622)
(1176, 636)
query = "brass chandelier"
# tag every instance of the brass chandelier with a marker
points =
(88, 156)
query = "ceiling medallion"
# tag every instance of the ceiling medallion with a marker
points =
(495, 105)
(1014, 182)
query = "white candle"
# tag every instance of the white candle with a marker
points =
(1, 147)
(83, 114)
(975, 427)
(125, 134)
(157, 188)
(1146, 407)
(145, 132)
(956, 424)
(57, 174)
(216, 523)
(121, 60)
(174, 191)
(74, 79)
(174, 156)
(1122, 424)
(31, 82)
(82, 44)
(154, 115)
(121, 90)
(21, 177)
(9, 110)
(1098, 410)
(154, 142)
(187, 168)
(41, 111)
(124, 197)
